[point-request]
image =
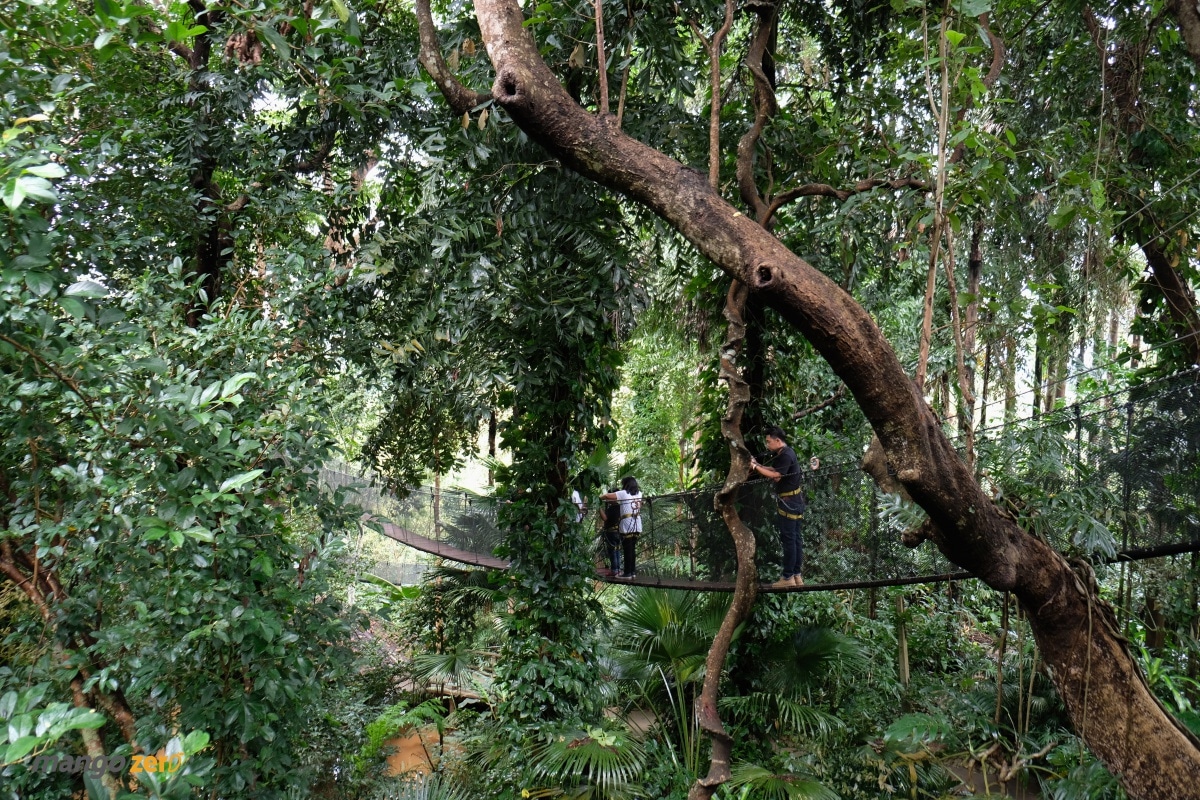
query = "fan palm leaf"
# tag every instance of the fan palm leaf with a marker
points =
(767, 785)
(592, 763)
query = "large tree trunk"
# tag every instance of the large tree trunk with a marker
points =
(1105, 694)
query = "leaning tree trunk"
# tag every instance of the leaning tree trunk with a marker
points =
(1105, 694)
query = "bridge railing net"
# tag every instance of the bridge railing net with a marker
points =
(1114, 476)
(1117, 474)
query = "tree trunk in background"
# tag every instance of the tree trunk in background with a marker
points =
(1010, 379)
(970, 338)
(1104, 693)
(491, 446)
(1038, 361)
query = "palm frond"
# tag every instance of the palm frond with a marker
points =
(455, 664)
(791, 716)
(426, 787)
(810, 654)
(767, 785)
(596, 762)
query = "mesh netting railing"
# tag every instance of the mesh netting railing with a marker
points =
(1117, 476)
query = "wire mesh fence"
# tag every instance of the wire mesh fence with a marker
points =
(1105, 478)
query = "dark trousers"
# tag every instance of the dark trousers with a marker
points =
(612, 545)
(793, 548)
(630, 542)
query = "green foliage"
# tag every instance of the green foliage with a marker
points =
(657, 408)
(30, 729)
(164, 435)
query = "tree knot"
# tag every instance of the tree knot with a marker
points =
(508, 87)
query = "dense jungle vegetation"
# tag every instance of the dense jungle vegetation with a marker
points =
(559, 243)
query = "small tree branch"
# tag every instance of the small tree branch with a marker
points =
(624, 85)
(821, 406)
(714, 66)
(825, 190)
(68, 382)
(601, 58)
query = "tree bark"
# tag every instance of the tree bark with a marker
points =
(746, 588)
(1105, 694)
(1187, 14)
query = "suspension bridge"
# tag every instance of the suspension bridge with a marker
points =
(1116, 477)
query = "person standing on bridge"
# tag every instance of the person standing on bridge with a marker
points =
(630, 498)
(610, 531)
(789, 504)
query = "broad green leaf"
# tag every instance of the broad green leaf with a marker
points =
(974, 8)
(39, 283)
(210, 393)
(86, 288)
(276, 40)
(154, 534)
(194, 742)
(13, 194)
(47, 170)
(76, 308)
(21, 748)
(38, 189)
(200, 534)
(237, 481)
(103, 39)
(235, 383)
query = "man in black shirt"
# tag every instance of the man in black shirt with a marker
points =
(789, 504)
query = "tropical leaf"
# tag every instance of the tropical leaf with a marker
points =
(598, 762)
(767, 785)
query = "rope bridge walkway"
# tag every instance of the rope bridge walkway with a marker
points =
(1117, 478)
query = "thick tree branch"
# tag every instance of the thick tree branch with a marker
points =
(1103, 690)
(1187, 14)
(317, 159)
(460, 98)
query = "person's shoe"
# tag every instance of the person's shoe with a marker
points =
(782, 583)
(797, 580)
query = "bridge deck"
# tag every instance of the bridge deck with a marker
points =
(427, 545)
